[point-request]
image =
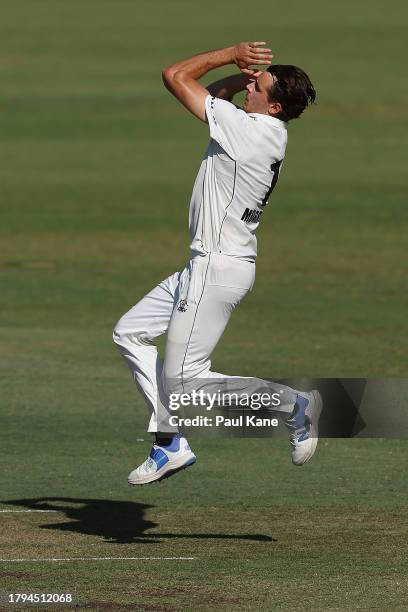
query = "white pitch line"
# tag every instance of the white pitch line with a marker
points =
(10, 511)
(101, 559)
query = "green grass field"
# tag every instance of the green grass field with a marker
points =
(97, 163)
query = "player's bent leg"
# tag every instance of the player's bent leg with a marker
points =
(163, 461)
(193, 334)
(135, 333)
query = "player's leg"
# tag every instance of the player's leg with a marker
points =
(194, 331)
(134, 335)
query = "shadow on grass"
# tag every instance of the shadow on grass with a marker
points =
(119, 522)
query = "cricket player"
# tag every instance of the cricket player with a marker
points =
(234, 182)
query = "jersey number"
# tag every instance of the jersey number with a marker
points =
(275, 169)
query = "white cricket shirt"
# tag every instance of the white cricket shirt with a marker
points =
(235, 179)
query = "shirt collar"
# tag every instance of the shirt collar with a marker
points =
(278, 122)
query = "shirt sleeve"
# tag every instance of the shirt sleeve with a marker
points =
(228, 125)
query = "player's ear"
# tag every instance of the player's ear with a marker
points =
(274, 108)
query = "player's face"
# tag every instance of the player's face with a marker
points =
(256, 99)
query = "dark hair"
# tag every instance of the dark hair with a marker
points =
(293, 90)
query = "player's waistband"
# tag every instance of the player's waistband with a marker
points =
(219, 256)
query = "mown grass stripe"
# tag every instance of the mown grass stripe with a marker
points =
(70, 559)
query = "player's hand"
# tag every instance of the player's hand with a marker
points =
(248, 54)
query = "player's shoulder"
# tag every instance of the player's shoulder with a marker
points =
(265, 137)
(269, 129)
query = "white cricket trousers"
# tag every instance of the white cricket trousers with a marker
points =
(193, 306)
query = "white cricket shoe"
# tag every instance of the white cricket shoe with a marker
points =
(303, 426)
(163, 461)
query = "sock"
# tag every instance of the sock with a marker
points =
(164, 439)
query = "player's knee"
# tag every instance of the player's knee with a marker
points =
(134, 338)
(117, 335)
(121, 337)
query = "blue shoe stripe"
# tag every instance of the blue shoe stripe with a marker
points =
(298, 420)
(298, 414)
(159, 457)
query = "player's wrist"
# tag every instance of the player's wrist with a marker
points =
(232, 54)
(225, 56)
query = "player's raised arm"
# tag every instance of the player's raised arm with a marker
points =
(181, 78)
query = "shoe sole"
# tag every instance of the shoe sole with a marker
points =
(313, 412)
(171, 468)
(174, 471)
